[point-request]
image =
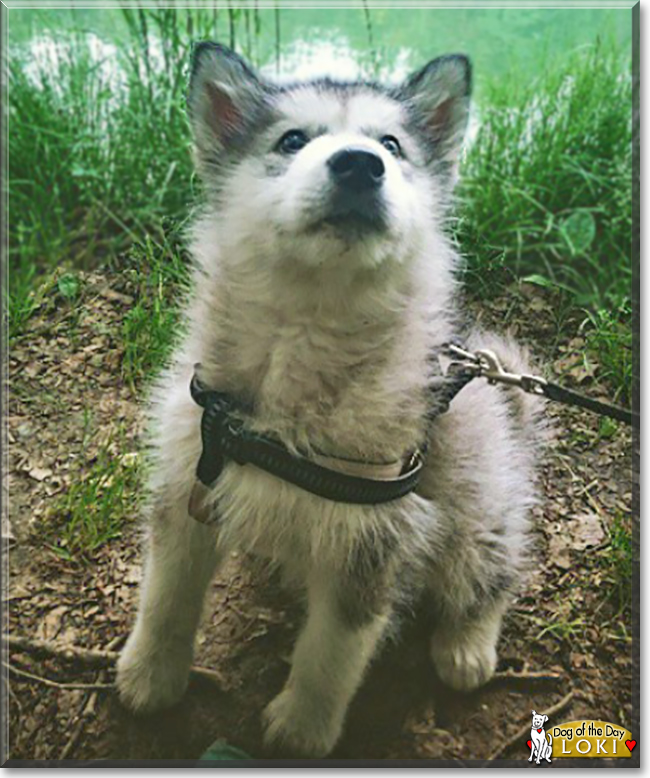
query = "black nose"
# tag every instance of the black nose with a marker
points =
(356, 169)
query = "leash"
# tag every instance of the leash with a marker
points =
(224, 438)
(485, 364)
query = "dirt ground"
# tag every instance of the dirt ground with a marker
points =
(67, 400)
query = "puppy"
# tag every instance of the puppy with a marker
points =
(323, 291)
(541, 748)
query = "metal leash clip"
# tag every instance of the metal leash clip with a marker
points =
(486, 364)
(493, 370)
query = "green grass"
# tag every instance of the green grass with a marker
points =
(160, 275)
(97, 157)
(609, 340)
(615, 563)
(619, 562)
(546, 190)
(97, 505)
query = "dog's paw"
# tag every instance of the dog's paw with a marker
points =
(152, 678)
(298, 726)
(462, 663)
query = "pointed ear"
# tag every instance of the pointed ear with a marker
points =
(224, 96)
(439, 97)
(534, 714)
(545, 718)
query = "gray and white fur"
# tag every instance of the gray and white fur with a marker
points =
(323, 284)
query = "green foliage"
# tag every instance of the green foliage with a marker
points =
(620, 557)
(159, 273)
(97, 155)
(546, 187)
(96, 505)
(68, 285)
(609, 340)
(616, 562)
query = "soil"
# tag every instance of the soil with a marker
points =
(67, 399)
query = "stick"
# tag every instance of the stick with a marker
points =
(525, 676)
(56, 684)
(525, 681)
(86, 712)
(89, 656)
(521, 733)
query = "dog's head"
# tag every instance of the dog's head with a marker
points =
(324, 172)
(538, 720)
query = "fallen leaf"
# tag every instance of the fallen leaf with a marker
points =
(586, 530)
(40, 473)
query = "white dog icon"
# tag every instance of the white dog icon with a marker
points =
(540, 747)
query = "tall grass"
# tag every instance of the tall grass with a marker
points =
(98, 146)
(547, 185)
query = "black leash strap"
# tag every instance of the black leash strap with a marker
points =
(568, 397)
(486, 364)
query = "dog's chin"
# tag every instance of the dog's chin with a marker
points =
(351, 225)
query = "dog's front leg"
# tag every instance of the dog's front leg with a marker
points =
(153, 669)
(328, 663)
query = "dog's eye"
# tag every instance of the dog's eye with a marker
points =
(391, 143)
(291, 142)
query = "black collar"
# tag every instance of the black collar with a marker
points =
(225, 437)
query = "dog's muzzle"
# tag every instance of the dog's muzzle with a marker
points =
(357, 176)
(356, 170)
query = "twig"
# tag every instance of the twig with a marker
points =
(526, 680)
(56, 684)
(521, 733)
(207, 674)
(86, 712)
(88, 656)
(523, 676)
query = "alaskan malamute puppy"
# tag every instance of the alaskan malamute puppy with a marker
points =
(323, 291)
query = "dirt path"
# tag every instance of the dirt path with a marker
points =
(68, 407)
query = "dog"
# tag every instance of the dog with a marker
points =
(324, 282)
(541, 748)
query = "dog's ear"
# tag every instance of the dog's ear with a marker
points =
(438, 96)
(224, 96)
(534, 714)
(545, 718)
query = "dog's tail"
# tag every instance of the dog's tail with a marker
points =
(527, 410)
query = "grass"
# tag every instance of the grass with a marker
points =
(97, 155)
(159, 273)
(609, 340)
(97, 505)
(619, 563)
(546, 191)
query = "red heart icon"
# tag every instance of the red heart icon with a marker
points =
(631, 744)
(530, 743)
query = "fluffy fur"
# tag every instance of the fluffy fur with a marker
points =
(326, 326)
